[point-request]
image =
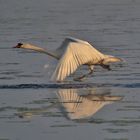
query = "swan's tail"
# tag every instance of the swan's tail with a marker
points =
(111, 59)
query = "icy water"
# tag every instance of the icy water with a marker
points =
(105, 106)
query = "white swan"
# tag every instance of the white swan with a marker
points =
(71, 54)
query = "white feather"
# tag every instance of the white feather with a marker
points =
(76, 53)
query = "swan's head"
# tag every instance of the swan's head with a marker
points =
(19, 45)
(29, 47)
(25, 46)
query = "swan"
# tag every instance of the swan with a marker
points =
(71, 54)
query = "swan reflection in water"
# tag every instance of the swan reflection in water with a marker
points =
(76, 105)
(83, 106)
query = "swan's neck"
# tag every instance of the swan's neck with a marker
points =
(41, 50)
(49, 53)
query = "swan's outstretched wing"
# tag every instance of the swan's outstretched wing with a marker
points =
(60, 50)
(75, 53)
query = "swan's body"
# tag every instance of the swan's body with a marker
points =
(72, 54)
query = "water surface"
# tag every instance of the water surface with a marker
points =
(104, 106)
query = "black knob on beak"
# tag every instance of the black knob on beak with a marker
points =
(18, 45)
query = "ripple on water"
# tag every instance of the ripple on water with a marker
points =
(5, 64)
(76, 85)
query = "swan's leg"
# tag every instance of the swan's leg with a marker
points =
(91, 67)
(106, 67)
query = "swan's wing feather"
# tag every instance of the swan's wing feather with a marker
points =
(75, 55)
(60, 50)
